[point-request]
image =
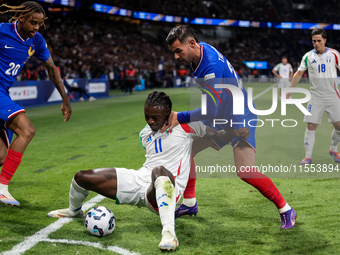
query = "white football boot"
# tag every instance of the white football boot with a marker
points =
(64, 213)
(6, 197)
(169, 242)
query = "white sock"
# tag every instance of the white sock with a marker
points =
(335, 140)
(189, 201)
(309, 142)
(285, 208)
(166, 201)
(77, 197)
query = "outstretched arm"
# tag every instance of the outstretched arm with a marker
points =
(58, 83)
(226, 135)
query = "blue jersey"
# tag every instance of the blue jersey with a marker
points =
(15, 52)
(213, 68)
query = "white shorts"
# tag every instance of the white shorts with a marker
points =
(317, 108)
(132, 186)
(284, 83)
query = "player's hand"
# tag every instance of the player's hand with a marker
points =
(66, 110)
(288, 95)
(244, 132)
(173, 121)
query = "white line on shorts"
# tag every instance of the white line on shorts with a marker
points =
(42, 235)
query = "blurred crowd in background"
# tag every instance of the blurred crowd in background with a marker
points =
(85, 44)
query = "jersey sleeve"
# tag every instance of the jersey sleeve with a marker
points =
(277, 67)
(142, 142)
(303, 65)
(42, 53)
(194, 128)
(337, 58)
(196, 114)
(213, 75)
(290, 68)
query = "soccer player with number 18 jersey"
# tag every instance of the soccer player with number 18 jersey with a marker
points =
(19, 41)
(322, 64)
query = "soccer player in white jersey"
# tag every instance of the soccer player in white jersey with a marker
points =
(322, 64)
(284, 72)
(160, 183)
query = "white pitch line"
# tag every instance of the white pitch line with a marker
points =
(265, 91)
(42, 235)
(93, 244)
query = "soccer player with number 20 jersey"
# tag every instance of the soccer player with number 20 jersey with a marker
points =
(19, 41)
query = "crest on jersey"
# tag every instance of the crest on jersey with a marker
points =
(328, 59)
(30, 52)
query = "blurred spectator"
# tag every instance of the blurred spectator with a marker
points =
(130, 78)
(86, 49)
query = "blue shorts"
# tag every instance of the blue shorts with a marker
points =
(8, 109)
(235, 141)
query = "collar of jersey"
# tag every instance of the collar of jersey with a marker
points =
(322, 53)
(16, 31)
(199, 63)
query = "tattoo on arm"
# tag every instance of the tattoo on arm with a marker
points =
(54, 75)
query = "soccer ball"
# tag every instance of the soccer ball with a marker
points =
(100, 221)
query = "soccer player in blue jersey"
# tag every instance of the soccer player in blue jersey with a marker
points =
(19, 41)
(209, 68)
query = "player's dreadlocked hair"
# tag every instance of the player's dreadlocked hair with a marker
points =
(24, 10)
(159, 98)
(181, 33)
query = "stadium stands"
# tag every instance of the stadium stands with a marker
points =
(105, 44)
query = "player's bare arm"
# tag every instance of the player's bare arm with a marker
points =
(295, 80)
(226, 135)
(276, 74)
(58, 83)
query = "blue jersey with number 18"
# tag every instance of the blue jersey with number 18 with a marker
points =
(15, 52)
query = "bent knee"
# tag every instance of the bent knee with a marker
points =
(3, 153)
(28, 133)
(31, 132)
(337, 126)
(83, 178)
(162, 171)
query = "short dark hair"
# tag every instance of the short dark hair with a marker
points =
(181, 33)
(159, 98)
(319, 31)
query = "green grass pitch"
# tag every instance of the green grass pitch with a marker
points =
(233, 217)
